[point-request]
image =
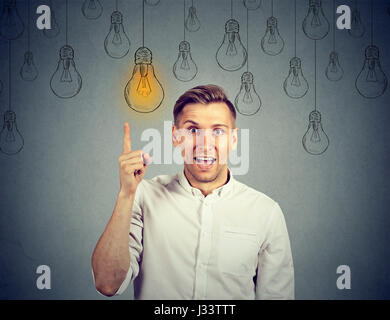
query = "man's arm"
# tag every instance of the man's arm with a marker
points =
(111, 257)
(275, 275)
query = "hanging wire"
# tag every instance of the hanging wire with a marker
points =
(272, 8)
(372, 22)
(184, 24)
(116, 5)
(231, 9)
(247, 39)
(295, 28)
(66, 23)
(143, 23)
(192, 3)
(334, 25)
(28, 25)
(315, 74)
(9, 75)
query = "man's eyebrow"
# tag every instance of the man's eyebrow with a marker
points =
(213, 126)
(191, 121)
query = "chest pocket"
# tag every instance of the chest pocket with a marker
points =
(238, 249)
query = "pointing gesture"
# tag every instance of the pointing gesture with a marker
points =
(132, 165)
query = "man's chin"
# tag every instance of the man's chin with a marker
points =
(203, 175)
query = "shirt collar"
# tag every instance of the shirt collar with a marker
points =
(220, 191)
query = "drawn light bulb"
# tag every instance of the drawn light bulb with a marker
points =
(11, 25)
(247, 101)
(192, 22)
(272, 43)
(143, 91)
(117, 44)
(334, 71)
(92, 9)
(28, 71)
(371, 81)
(252, 4)
(55, 28)
(11, 141)
(184, 68)
(66, 81)
(295, 85)
(315, 25)
(231, 55)
(152, 2)
(357, 27)
(315, 141)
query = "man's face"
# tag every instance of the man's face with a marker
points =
(205, 133)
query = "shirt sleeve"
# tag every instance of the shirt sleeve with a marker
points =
(275, 274)
(135, 243)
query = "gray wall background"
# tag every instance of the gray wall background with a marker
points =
(58, 193)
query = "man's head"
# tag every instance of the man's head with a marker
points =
(205, 128)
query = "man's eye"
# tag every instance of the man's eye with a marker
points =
(193, 130)
(219, 131)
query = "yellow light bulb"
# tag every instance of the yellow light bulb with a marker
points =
(143, 91)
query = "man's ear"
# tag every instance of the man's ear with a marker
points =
(175, 136)
(234, 139)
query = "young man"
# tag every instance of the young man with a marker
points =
(200, 234)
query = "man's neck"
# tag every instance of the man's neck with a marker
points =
(207, 187)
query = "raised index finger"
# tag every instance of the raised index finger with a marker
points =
(126, 139)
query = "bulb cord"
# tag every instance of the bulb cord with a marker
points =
(184, 23)
(272, 8)
(247, 39)
(315, 74)
(66, 23)
(28, 25)
(334, 25)
(116, 5)
(143, 23)
(295, 28)
(9, 75)
(231, 9)
(372, 22)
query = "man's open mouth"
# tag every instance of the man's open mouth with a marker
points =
(205, 160)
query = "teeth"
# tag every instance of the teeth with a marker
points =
(207, 159)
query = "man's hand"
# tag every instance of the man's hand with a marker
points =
(132, 165)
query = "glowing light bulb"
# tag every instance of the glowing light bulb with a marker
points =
(247, 101)
(55, 28)
(315, 25)
(231, 55)
(152, 2)
(143, 91)
(28, 71)
(11, 141)
(315, 141)
(117, 44)
(92, 9)
(11, 25)
(357, 27)
(272, 43)
(184, 68)
(295, 85)
(371, 81)
(192, 22)
(252, 4)
(334, 71)
(66, 81)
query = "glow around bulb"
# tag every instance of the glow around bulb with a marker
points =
(371, 81)
(117, 44)
(11, 141)
(143, 91)
(192, 23)
(357, 27)
(55, 28)
(272, 43)
(184, 68)
(295, 85)
(231, 55)
(28, 71)
(252, 4)
(92, 9)
(315, 141)
(11, 25)
(315, 25)
(334, 71)
(66, 81)
(247, 101)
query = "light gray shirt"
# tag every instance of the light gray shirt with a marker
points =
(231, 244)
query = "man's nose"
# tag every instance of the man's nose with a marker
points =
(206, 138)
